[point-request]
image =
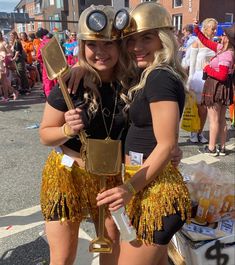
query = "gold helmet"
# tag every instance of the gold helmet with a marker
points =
(146, 16)
(99, 23)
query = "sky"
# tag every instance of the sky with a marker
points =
(8, 5)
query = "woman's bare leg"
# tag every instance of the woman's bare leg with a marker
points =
(142, 254)
(202, 112)
(223, 127)
(63, 240)
(214, 118)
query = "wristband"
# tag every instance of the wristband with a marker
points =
(66, 131)
(130, 187)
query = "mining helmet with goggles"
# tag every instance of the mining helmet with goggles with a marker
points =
(146, 16)
(102, 23)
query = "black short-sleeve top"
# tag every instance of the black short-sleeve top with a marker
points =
(161, 85)
(95, 127)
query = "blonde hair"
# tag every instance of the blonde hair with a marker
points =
(207, 22)
(123, 72)
(166, 58)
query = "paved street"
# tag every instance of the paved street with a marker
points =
(22, 241)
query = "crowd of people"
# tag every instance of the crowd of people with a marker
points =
(125, 63)
(210, 66)
(21, 63)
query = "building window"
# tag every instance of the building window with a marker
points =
(229, 17)
(37, 9)
(58, 4)
(57, 25)
(177, 21)
(177, 3)
(126, 3)
(51, 2)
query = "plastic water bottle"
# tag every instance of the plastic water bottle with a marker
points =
(123, 223)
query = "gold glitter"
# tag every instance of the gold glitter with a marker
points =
(73, 189)
(162, 197)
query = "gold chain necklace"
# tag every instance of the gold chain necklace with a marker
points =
(113, 115)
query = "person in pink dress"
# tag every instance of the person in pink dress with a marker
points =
(47, 83)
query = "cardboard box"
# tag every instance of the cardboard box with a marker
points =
(220, 251)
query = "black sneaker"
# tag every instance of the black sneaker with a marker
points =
(221, 151)
(205, 150)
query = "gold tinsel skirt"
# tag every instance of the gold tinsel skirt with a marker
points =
(164, 196)
(70, 193)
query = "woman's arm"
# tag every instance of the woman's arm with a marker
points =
(220, 75)
(52, 132)
(165, 116)
(205, 41)
(193, 59)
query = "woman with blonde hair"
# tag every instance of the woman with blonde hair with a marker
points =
(68, 190)
(154, 193)
(218, 88)
(199, 55)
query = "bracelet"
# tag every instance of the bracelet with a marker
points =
(66, 132)
(130, 187)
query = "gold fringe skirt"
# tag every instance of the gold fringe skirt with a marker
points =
(164, 196)
(70, 193)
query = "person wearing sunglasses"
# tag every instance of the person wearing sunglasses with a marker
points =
(218, 88)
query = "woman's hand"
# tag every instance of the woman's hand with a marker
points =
(115, 198)
(195, 22)
(73, 119)
(177, 155)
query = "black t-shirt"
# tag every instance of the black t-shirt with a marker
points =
(161, 85)
(95, 127)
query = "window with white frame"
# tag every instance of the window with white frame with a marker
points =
(177, 21)
(177, 3)
(57, 24)
(229, 17)
(51, 2)
(58, 3)
(37, 9)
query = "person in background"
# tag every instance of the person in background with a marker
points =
(188, 40)
(36, 43)
(27, 46)
(218, 91)
(19, 57)
(154, 193)
(231, 107)
(7, 89)
(47, 83)
(199, 55)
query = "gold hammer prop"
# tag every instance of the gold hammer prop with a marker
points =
(57, 67)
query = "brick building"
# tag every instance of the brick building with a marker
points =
(33, 9)
(67, 12)
(183, 12)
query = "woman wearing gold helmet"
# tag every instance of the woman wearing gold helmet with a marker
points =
(154, 193)
(67, 189)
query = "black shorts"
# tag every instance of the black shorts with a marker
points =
(171, 224)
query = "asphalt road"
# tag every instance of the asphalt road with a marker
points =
(21, 162)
